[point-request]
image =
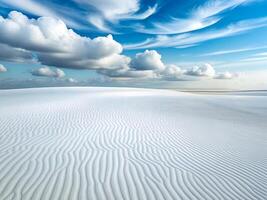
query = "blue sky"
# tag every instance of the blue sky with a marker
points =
(174, 44)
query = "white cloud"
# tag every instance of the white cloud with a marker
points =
(59, 73)
(177, 25)
(248, 62)
(225, 75)
(191, 39)
(140, 16)
(47, 9)
(2, 68)
(205, 70)
(261, 54)
(246, 80)
(256, 57)
(30, 6)
(148, 60)
(214, 7)
(253, 59)
(48, 34)
(99, 23)
(198, 18)
(112, 8)
(146, 65)
(171, 73)
(56, 45)
(229, 51)
(114, 11)
(99, 13)
(48, 72)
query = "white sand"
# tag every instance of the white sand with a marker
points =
(115, 143)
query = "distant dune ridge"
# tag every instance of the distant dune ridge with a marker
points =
(121, 143)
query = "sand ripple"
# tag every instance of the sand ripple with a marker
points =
(97, 143)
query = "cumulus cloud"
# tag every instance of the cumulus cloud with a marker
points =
(171, 73)
(205, 70)
(148, 60)
(56, 45)
(2, 68)
(48, 72)
(147, 64)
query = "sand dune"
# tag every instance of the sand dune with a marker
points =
(121, 143)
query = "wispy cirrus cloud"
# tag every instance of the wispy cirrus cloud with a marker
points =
(253, 59)
(261, 54)
(106, 15)
(205, 15)
(143, 15)
(87, 14)
(48, 9)
(257, 57)
(176, 26)
(214, 7)
(191, 39)
(230, 51)
(29, 6)
(113, 11)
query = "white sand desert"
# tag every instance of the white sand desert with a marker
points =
(121, 143)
